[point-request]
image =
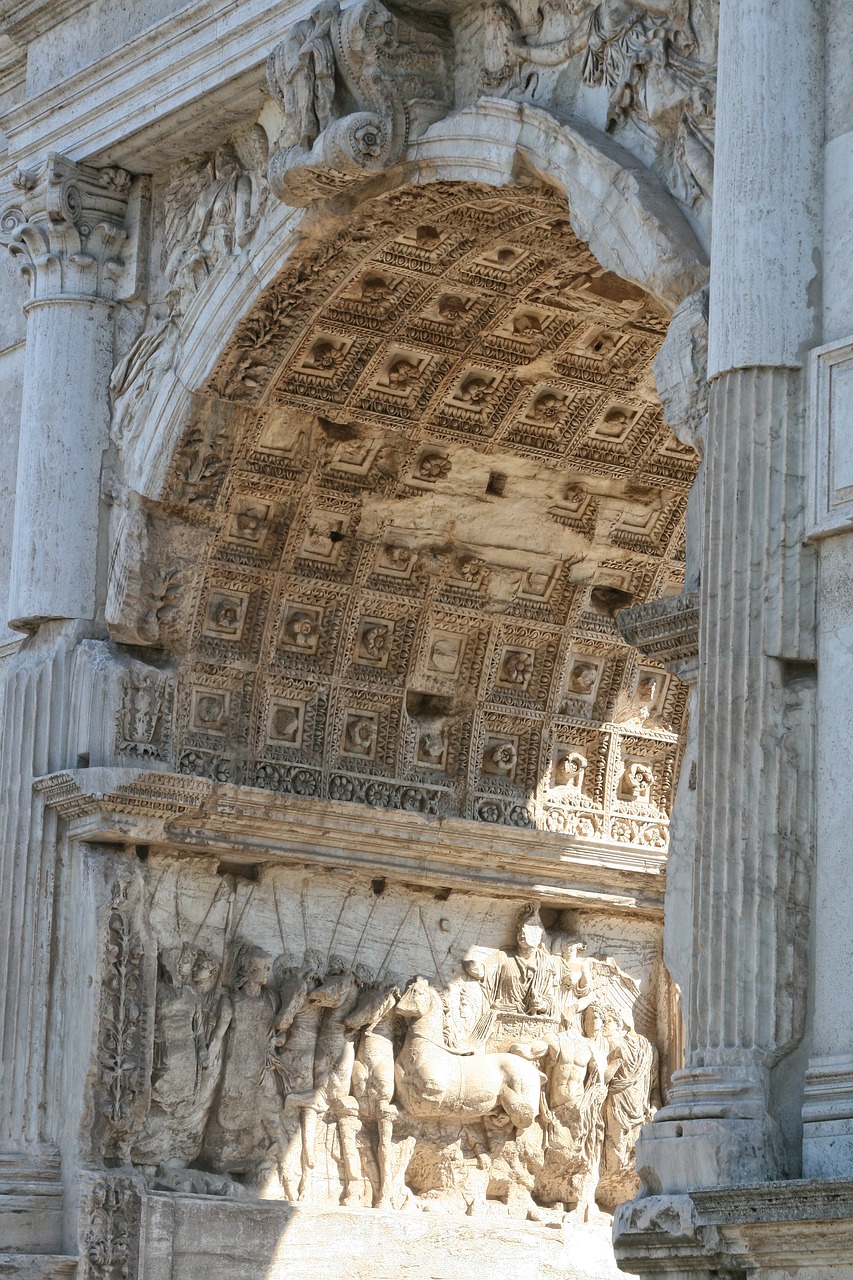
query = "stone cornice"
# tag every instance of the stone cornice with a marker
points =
(774, 1225)
(196, 816)
(25, 19)
(64, 225)
(204, 52)
(667, 630)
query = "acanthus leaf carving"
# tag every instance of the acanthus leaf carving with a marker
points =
(123, 1056)
(111, 1229)
(66, 228)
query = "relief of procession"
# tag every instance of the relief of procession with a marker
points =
(517, 1084)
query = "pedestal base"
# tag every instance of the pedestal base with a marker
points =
(828, 1118)
(678, 1155)
(800, 1229)
(200, 1238)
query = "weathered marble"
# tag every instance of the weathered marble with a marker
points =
(424, 665)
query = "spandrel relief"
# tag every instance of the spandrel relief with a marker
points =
(356, 86)
(372, 1045)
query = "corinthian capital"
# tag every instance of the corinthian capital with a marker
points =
(65, 227)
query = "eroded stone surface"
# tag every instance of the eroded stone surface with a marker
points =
(287, 1036)
(390, 573)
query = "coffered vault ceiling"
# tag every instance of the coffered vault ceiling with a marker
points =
(446, 471)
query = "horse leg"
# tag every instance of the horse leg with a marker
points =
(522, 1109)
(288, 1161)
(385, 1130)
(309, 1138)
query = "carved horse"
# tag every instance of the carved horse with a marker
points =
(431, 1081)
(334, 1055)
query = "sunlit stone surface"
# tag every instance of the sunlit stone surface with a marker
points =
(423, 822)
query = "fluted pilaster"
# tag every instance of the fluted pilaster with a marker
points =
(746, 1004)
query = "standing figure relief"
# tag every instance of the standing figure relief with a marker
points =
(520, 1079)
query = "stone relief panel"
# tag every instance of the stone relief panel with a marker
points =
(393, 72)
(329, 1039)
(356, 87)
(392, 590)
(206, 214)
(648, 70)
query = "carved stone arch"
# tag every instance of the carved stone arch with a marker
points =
(632, 225)
(447, 345)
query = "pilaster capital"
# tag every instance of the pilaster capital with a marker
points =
(65, 226)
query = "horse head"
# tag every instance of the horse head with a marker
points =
(334, 991)
(417, 1000)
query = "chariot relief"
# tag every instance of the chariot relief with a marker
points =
(508, 1075)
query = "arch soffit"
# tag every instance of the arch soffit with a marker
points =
(632, 225)
(288, 676)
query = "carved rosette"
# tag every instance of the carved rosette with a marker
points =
(65, 228)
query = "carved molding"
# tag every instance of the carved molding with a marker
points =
(122, 1057)
(102, 805)
(646, 61)
(666, 630)
(109, 1228)
(65, 228)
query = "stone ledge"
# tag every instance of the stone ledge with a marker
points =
(189, 1236)
(667, 630)
(221, 819)
(31, 1266)
(724, 1229)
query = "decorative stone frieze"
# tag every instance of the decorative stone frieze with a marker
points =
(544, 1052)
(404, 72)
(396, 71)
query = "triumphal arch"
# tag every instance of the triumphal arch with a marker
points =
(425, 647)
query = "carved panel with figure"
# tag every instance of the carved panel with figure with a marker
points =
(334, 1040)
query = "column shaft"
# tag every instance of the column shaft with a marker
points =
(64, 432)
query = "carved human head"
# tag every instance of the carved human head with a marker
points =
(474, 962)
(531, 931)
(253, 968)
(592, 1021)
(186, 961)
(204, 973)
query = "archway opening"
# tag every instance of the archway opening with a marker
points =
(441, 471)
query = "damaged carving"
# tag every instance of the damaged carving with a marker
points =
(395, 73)
(312, 1077)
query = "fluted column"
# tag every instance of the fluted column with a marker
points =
(65, 227)
(726, 1120)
